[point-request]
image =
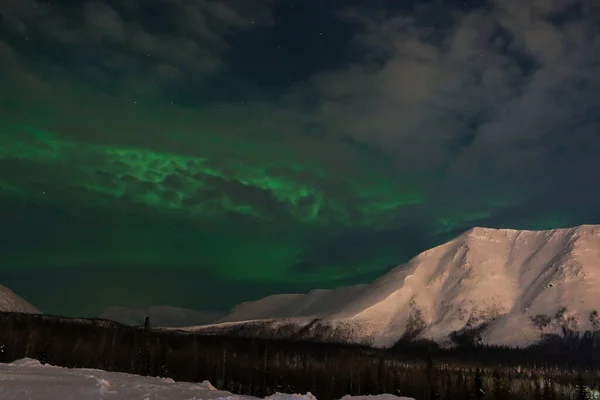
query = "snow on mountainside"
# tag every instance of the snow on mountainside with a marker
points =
(160, 316)
(512, 285)
(9, 301)
(316, 303)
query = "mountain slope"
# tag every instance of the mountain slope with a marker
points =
(511, 285)
(9, 301)
(316, 303)
(159, 316)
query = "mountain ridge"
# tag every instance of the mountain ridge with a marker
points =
(514, 286)
(164, 316)
(11, 302)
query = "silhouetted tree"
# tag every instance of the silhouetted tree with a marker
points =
(549, 392)
(462, 386)
(479, 392)
(582, 392)
(537, 389)
(500, 391)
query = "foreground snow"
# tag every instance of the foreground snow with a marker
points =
(29, 380)
(518, 284)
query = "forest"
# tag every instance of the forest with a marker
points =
(558, 368)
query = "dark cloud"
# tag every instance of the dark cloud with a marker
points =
(480, 98)
(175, 182)
(237, 190)
(508, 90)
(217, 190)
(135, 41)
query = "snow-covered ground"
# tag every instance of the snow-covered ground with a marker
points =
(29, 380)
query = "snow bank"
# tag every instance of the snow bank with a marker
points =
(29, 380)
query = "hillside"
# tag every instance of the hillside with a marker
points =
(510, 286)
(160, 316)
(9, 301)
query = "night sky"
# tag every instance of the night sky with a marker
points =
(199, 153)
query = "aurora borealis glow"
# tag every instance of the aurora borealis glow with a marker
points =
(197, 153)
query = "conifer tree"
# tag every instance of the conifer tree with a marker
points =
(479, 392)
(537, 394)
(500, 391)
(430, 377)
(462, 387)
(582, 392)
(549, 392)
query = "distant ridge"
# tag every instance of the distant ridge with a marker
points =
(507, 287)
(9, 301)
(160, 316)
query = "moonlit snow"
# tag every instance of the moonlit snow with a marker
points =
(517, 284)
(9, 301)
(29, 380)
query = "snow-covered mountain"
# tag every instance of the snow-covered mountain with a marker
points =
(9, 301)
(160, 316)
(510, 286)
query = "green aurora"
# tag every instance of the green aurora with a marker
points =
(272, 200)
(241, 215)
(201, 169)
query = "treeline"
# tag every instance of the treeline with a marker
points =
(261, 367)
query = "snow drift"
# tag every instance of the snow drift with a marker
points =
(509, 286)
(28, 379)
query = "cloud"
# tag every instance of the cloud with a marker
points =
(503, 96)
(465, 113)
(135, 40)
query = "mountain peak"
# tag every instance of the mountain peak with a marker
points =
(512, 285)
